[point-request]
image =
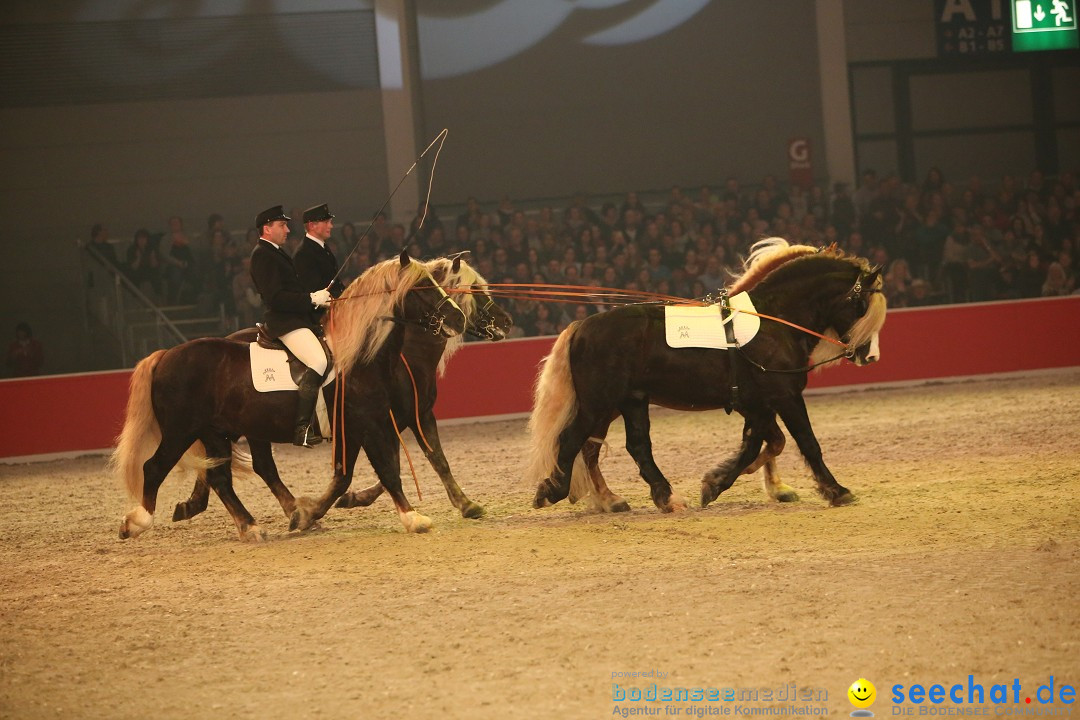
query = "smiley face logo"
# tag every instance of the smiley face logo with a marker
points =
(862, 693)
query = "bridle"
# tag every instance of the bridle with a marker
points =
(434, 319)
(482, 323)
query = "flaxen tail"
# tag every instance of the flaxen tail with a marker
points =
(141, 435)
(554, 407)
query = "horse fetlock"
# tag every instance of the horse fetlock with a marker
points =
(135, 523)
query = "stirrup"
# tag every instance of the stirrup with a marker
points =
(306, 438)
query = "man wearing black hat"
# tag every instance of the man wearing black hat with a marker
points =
(315, 263)
(290, 312)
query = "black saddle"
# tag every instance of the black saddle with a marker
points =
(296, 368)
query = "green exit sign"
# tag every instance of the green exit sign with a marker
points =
(1044, 25)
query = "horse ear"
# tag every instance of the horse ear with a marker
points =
(875, 273)
(456, 267)
(405, 259)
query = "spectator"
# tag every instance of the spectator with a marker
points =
(144, 265)
(179, 264)
(1057, 283)
(954, 265)
(897, 283)
(25, 354)
(99, 241)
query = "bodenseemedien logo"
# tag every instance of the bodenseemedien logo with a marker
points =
(862, 695)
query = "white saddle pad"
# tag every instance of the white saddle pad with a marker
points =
(701, 327)
(270, 373)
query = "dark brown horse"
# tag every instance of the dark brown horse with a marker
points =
(425, 356)
(618, 362)
(202, 391)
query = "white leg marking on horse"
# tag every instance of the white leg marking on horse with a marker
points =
(415, 522)
(138, 521)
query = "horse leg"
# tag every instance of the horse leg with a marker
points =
(793, 413)
(556, 487)
(635, 414)
(382, 451)
(360, 498)
(308, 510)
(606, 500)
(196, 503)
(220, 481)
(723, 476)
(774, 445)
(262, 462)
(169, 452)
(437, 458)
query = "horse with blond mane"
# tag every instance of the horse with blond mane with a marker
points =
(619, 362)
(202, 391)
(424, 359)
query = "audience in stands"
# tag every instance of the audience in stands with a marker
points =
(936, 242)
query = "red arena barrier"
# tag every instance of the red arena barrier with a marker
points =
(81, 413)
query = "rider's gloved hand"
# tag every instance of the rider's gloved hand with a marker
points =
(320, 298)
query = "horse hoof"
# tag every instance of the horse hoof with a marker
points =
(184, 511)
(620, 506)
(135, 523)
(253, 534)
(708, 493)
(787, 496)
(541, 500)
(301, 519)
(414, 522)
(845, 498)
(472, 511)
(675, 504)
(361, 498)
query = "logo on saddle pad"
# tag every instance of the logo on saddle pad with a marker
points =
(270, 370)
(694, 326)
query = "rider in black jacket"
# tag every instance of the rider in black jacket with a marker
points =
(291, 312)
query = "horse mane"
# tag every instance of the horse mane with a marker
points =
(765, 256)
(442, 269)
(358, 326)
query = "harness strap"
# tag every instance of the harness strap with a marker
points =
(416, 402)
(728, 321)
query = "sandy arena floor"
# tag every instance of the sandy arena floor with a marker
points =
(961, 557)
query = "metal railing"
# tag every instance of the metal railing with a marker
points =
(114, 305)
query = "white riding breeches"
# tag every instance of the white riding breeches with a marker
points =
(306, 347)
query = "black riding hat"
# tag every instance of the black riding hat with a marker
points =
(268, 216)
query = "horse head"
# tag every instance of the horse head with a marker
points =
(429, 305)
(484, 318)
(856, 316)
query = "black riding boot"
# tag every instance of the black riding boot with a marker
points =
(305, 407)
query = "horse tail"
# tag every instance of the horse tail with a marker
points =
(141, 434)
(554, 407)
(195, 459)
